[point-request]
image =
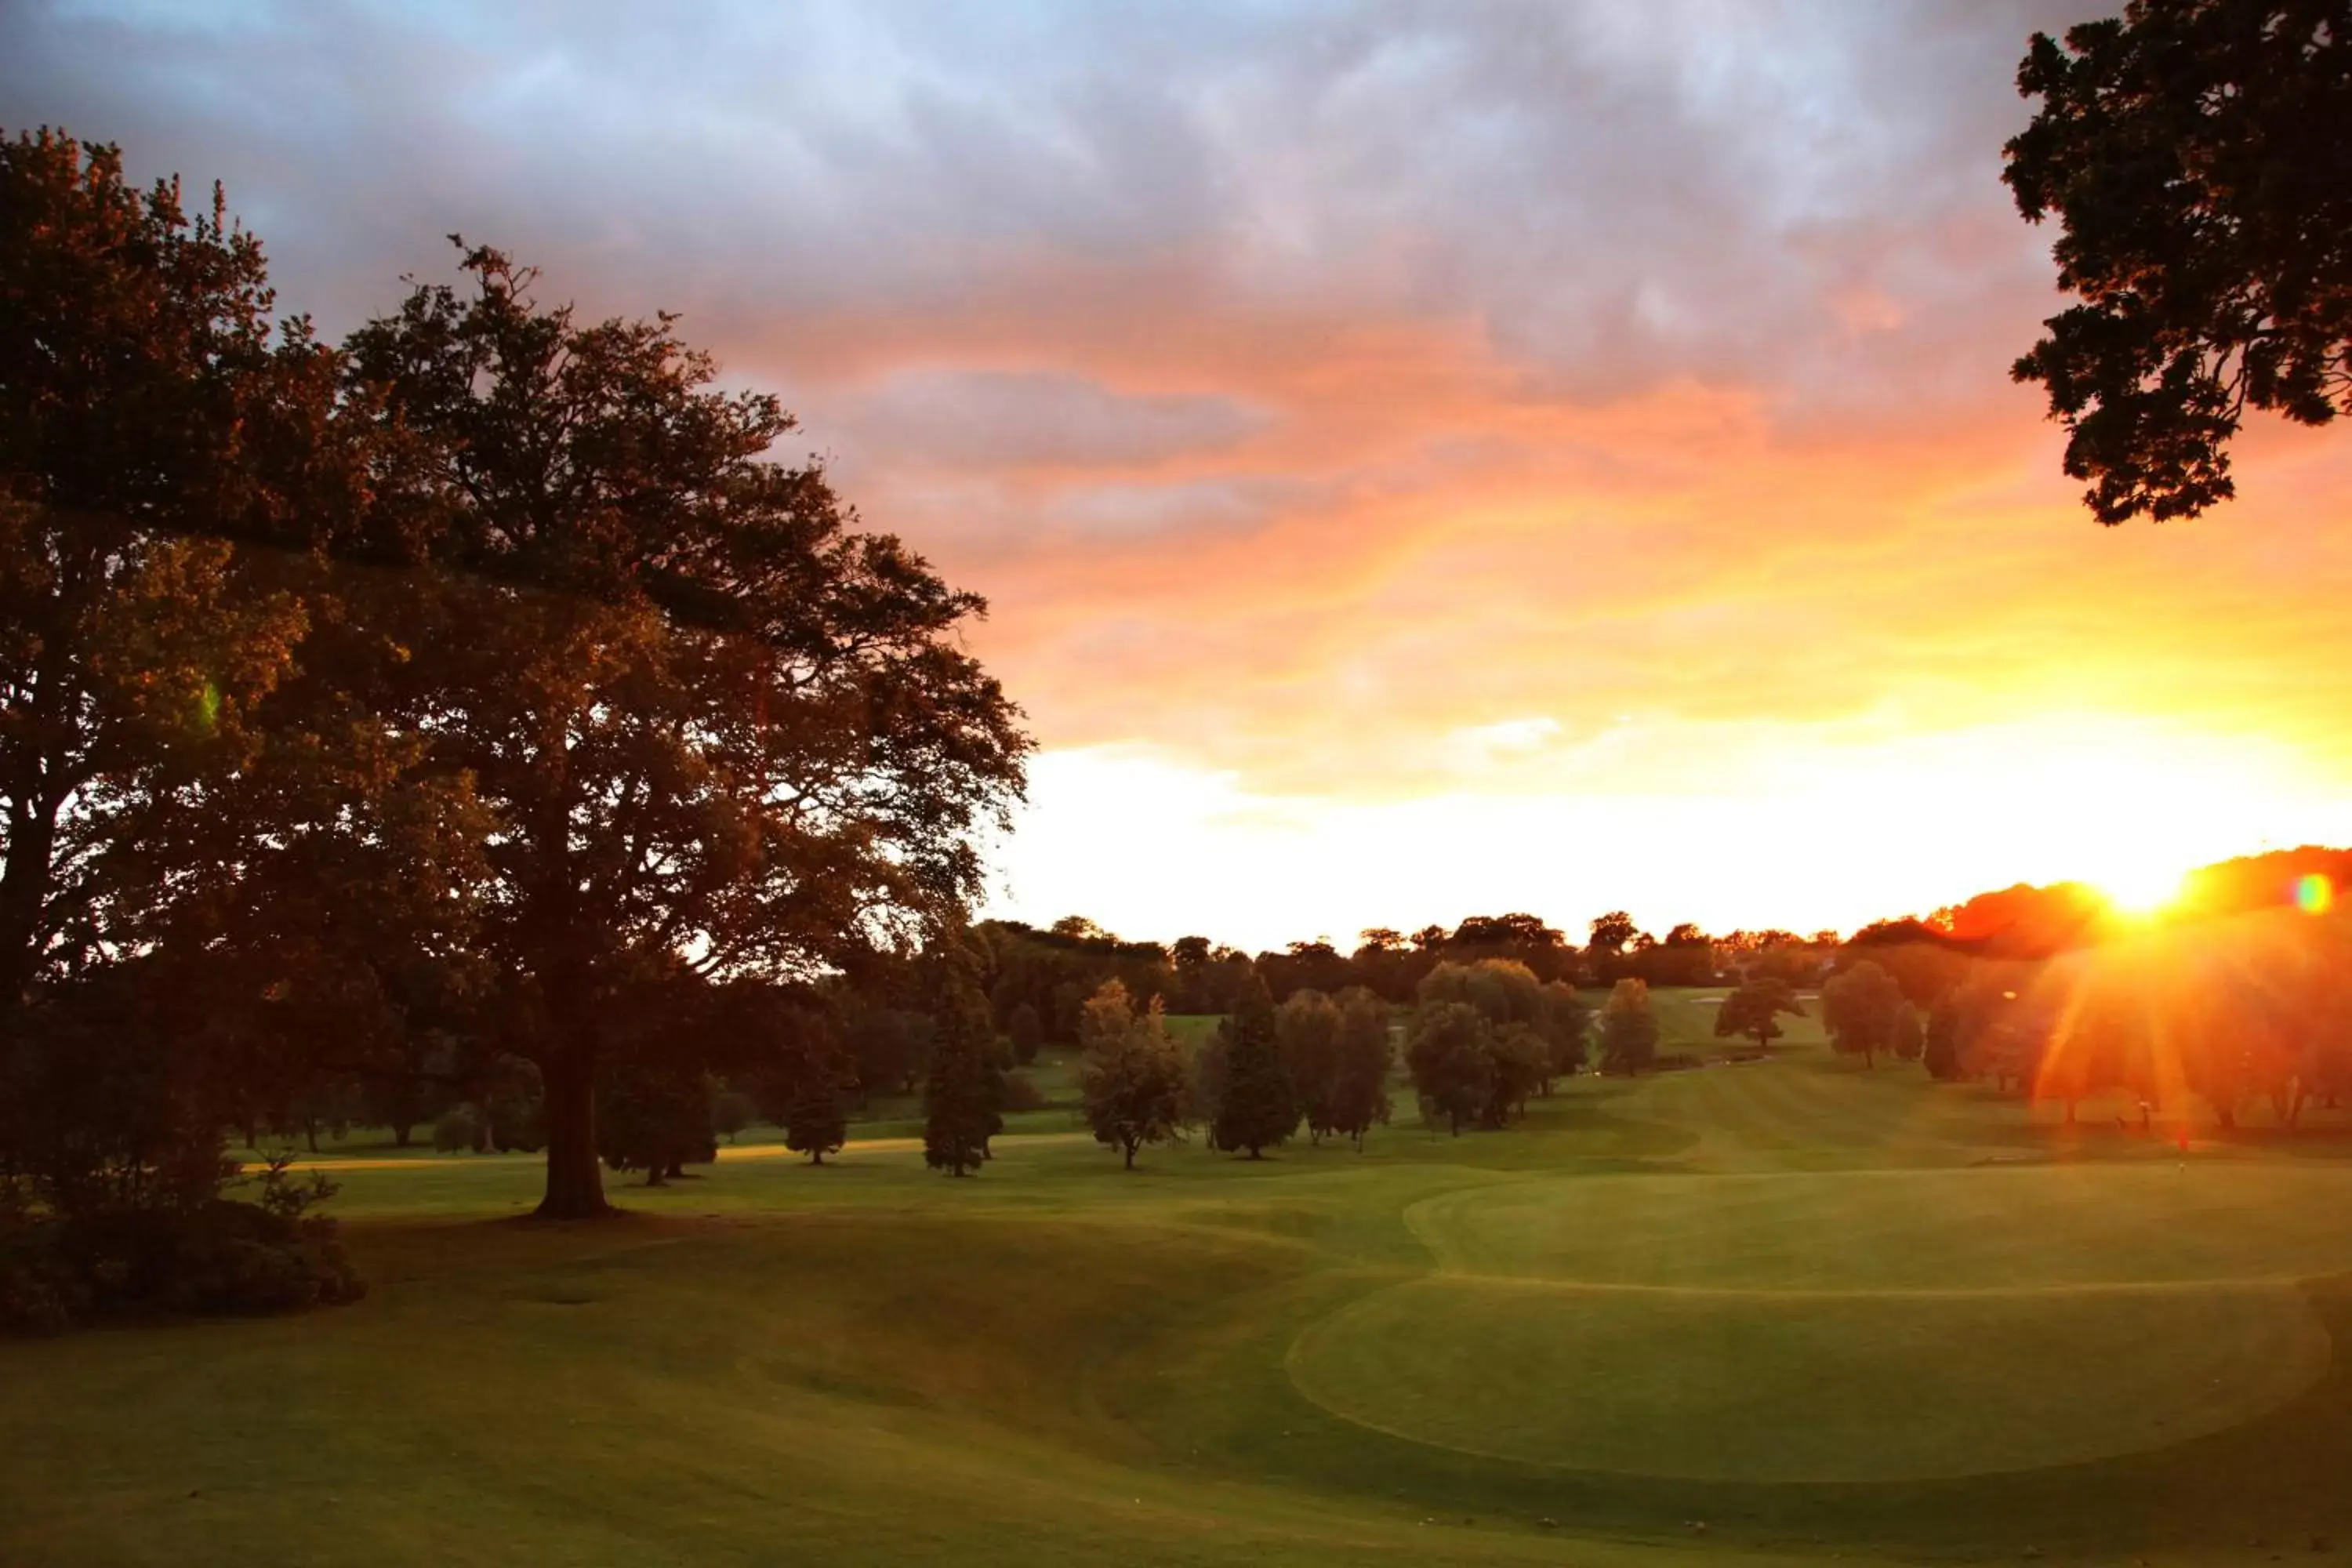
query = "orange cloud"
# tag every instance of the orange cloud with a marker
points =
(1421, 458)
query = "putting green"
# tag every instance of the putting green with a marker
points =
(1861, 1327)
(1991, 1227)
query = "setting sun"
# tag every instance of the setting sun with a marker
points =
(2142, 890)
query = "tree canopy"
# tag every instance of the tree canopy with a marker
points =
(444, 699)
(1629, 1029)
(1862, 1008)
(964, 1093)
(723, 730)
(1253, 1105)
(1133, 1075)
(2198, 155)
(1754, 1010)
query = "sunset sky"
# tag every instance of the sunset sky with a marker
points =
(1423, 460)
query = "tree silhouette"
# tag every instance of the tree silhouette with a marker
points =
(1026, 1030)
(1451, 1055)
(1307, 1029)
(1359, 1086)
(2197, 155)
(213, 868)
(719, 727)
(965, 1088)
(1132, 1078)
(1862, 1009)
(1629, 1028)
(1754, 1010)
(1255, 1107)
(808, 1094)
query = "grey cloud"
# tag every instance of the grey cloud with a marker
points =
(1619, 195)
(1003, 418)
(1223, 505)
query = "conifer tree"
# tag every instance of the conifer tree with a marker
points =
(966, 1086)
(1256, 1105)
(814, 1090)
(1359, 1085)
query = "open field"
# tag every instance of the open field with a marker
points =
(1773, 1311)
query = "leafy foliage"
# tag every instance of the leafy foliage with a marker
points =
(1026, 1031)
(1133, 1077)
(964, 1093)
(1629, 1028)
(1909, 1038)
(1535, 1030)
(1754, 1010)
(806, 1090)
(739, 729)
(1358, 1097)
(1252, 1102)
(1451, 1055)
(1861, 1008)
(1307, 1029)
(655, 1117)
(2197, 155)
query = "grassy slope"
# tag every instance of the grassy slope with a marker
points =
(1057, 1362)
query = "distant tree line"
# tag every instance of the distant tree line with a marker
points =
(1038, 980)
(2237, 996)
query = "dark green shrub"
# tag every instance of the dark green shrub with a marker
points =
(220, 1258)
(1021, 1093)
(459, 1128)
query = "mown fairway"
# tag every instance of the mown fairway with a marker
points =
(1775, 1311)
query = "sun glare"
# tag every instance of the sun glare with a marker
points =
(2141, 890)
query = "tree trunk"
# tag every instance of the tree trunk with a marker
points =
(310, 1132)
(575, 1183)
(1130, 1157)
(26, 876)
(400, 1132)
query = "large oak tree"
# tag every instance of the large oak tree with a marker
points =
(198, 824)
(724, 732)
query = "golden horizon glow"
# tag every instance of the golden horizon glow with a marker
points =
(1914, 823)
(2142, 891)
(1421, 461)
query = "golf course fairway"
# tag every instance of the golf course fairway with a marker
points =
(1779, 1311)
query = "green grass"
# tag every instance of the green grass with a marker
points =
(1819, 1311)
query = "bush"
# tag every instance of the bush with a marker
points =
(732, 1110)
(1021, 1093)
(221, 1258)
(459, 1128)
(512, 1117)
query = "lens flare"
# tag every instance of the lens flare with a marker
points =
(2314, 894)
